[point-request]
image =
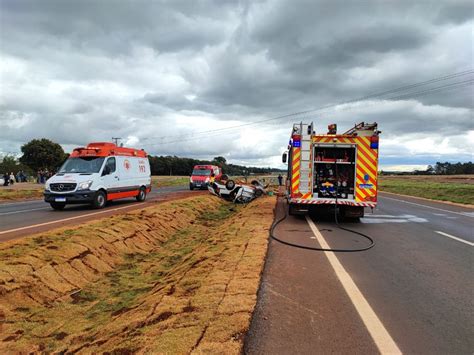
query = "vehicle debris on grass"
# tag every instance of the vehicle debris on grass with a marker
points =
(165, 279)
(238, 192)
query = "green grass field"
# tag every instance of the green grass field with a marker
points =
(460, 191)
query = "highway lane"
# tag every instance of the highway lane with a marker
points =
(416, 281)
(19, 219)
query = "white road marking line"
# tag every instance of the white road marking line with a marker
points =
(379, 334)
(405, 218)
(467, 214)
(14, 212)
(455, 238)
(380, 221)
(69, 219)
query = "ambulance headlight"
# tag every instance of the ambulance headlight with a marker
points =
(85, 185)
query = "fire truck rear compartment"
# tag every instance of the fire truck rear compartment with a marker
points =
(334, 172)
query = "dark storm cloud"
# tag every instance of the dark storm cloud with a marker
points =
(76, 71)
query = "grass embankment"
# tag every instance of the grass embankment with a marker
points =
(165, 279)
(458, 189)
(22, 191)
(164, 181)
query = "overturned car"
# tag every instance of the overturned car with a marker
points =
(237, 192)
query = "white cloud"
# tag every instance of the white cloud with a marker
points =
(77, 72)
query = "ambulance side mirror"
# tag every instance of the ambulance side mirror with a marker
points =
(284, 157)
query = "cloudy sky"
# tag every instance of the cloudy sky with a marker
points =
(160, 73)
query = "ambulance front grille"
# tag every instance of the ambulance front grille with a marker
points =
(62, 187)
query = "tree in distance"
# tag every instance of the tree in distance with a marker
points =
(42, 154)
(220, 161)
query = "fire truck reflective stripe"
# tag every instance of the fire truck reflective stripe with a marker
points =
(362, 165)
(295, 182)
(332, 202)
(307, 195)
(296, 167)
(295, 177)
(371, 155)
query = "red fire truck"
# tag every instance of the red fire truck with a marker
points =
(332, 169)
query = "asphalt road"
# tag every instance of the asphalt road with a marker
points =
(18, 219)
(412, 292)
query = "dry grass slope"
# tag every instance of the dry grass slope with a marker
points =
(166, 279)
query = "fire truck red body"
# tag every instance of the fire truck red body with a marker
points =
(333, 169)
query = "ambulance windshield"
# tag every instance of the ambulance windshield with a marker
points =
(201, 172)
(82, 165)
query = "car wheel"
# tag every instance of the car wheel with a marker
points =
(99, 200)
(58, 206)
(230, 184)
(258, 193)
(141, 195)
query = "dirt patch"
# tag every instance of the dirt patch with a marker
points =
(21, 191)
(165, 279)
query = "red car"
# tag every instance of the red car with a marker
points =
(202, 175)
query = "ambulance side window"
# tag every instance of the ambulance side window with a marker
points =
(111, 164)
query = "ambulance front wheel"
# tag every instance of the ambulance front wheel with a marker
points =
(141, 195)
(99, 200)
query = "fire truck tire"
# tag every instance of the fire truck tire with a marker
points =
(58, 206)
(191, 187)
(230, 184)
(100, 200)
(291, 210)
(141, 195)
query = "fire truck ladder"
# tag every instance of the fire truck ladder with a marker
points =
(306, 167)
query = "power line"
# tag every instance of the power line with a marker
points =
(217, 132)
(363, 98)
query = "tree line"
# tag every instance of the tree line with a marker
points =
(46, 155)
(173, 165)
(440, 168)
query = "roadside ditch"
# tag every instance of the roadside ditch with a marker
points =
(178, 277)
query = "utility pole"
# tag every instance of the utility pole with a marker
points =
(116, 139)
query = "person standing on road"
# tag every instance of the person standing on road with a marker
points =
(12, 178)
(280, 180)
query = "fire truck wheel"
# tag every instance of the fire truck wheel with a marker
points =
(191, 187)
(99, 200)
(230, 184)
(141, 195)
(58, 206)
(291, 210)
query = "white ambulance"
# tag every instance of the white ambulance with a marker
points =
(98, 173)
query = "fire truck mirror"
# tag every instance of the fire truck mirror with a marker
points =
(284, 157)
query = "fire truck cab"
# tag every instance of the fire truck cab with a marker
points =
(98, 173)
(332, 170)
